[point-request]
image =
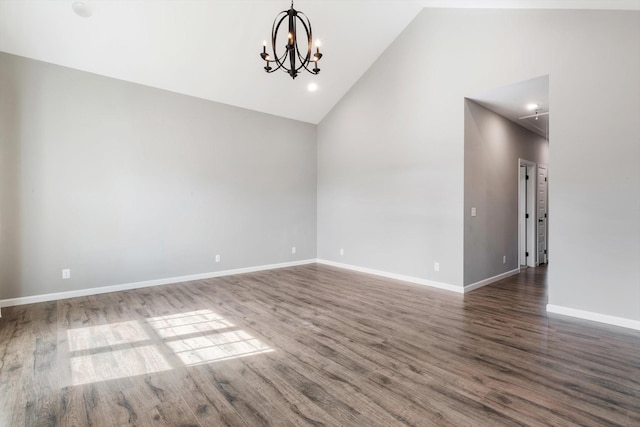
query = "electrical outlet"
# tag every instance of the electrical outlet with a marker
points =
(341, 251)
(217, 258)
(473, 211)
(504, 259)
(293, 249)
(436, 266)
(66, 273)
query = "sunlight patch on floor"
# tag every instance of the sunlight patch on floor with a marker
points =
(188, 323)
(112, 365)
(105, 335)
(126, 349)
(217, 347)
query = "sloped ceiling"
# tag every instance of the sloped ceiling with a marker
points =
(515, 102)
(209, 49)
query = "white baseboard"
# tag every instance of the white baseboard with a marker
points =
(410, 279)
(145, 284)
(595, 317)
(490, 280)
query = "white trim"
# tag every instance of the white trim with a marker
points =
(145, 284)
(595, 317)
(410, 279)
(490, 280)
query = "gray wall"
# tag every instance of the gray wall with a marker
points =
(124, 183)
(594, 166)
(391, 153)
(492, 147)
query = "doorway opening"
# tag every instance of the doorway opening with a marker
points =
(506, 141)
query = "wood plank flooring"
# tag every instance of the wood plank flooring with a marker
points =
(314, 346)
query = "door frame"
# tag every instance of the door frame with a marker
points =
(545, 219)
(528, 199)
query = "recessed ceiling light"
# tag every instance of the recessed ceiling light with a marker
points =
(82, 9)
(532, 107)
(312, 87)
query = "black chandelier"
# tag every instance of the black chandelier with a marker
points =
(292, 59)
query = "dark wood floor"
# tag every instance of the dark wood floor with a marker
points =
(314, 345)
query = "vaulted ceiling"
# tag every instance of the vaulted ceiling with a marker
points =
(210, 49)
(524, 103)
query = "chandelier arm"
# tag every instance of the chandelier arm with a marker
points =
(311, 70)
(307, 29)
(274, 32)
(280, 63)
(281, 59)
(272, 70)
(277, 61)
(303, 60)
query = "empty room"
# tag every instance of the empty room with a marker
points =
(319, 213)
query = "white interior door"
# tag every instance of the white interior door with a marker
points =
(542, 213)
(522, 215)
(527, 216)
